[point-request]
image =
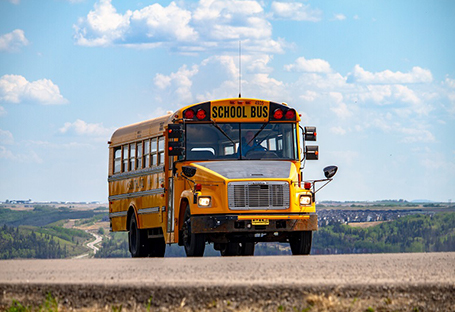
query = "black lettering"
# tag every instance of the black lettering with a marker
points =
(226, 112)
(232, 112)
(244, 112)
(239, 112)
(253, 111)
(214, 112)
(265, 111)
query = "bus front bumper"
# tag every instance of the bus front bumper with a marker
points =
(257, 223)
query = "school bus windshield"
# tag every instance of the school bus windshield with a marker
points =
(241, 141)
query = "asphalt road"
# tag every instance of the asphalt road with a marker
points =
(395, 281)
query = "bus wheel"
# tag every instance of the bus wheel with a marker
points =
(157, 247)
(137, 239)
(301, 242)
(230, 249)
(194, 243)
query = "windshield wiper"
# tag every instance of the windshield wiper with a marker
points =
(222, 131)
(257, 133)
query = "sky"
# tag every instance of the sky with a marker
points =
(377, 79)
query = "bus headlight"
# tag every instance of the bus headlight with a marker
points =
(204, 201)
(305, 200)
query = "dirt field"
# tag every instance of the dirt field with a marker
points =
(377, 282)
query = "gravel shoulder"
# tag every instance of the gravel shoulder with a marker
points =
(386, 282)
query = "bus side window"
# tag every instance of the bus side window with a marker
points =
(153, 149)
(125, 158)
(161, 150)
(139, 155)
(118, 159)
(132, 156)
(146, 157)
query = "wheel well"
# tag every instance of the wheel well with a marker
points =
(128, 218)
(182, 211)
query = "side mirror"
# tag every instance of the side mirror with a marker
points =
(312, 152)
(175, 149)
(330, 171)
(189, 171)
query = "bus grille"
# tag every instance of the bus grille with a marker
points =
(258, 195)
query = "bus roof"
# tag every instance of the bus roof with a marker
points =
(142, 129)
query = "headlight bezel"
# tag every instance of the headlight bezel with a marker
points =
(204, 201)
(305, 200)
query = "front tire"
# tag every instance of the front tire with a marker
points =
(301, 242)
(194, 243)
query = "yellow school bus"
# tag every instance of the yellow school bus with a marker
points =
(225, 172)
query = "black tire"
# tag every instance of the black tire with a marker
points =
(301, 242)
(194, 243)
(137, 239)
(247, 249)
(157, 247)
(230, 249)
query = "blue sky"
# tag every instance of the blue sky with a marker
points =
(377, 79)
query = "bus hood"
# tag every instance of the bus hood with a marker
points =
(250, 169)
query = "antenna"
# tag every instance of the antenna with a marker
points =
(240, 68)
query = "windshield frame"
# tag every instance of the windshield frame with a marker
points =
(269, 135)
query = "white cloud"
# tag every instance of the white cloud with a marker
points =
(16, 89)
(339, 17)
(13, 41)
(211, 25)
(295, 11)
(164, 23)
(15, 1)
(309, 96)
(2, 111)
(417, 75)
(102, 26)
(418, 134)
(309, 66)
(6, 137)
(82, 128)
(180, 83)
(338, 130)
(340, 108)
(29, 157)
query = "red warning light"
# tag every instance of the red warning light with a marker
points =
(278, 113)
(201, 114)
(290, 114)
(189, 114)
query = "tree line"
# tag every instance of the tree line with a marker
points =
(414, 233)
(16, 243)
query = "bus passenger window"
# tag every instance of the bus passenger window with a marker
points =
(139, 155)
(146, 157)
(161, 150)
(125, 158)
(132, 156)
(118, 159)
(153, 149)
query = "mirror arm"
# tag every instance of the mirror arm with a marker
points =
(303, 160)
(327, 181)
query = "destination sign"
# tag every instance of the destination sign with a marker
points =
(258, 113)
